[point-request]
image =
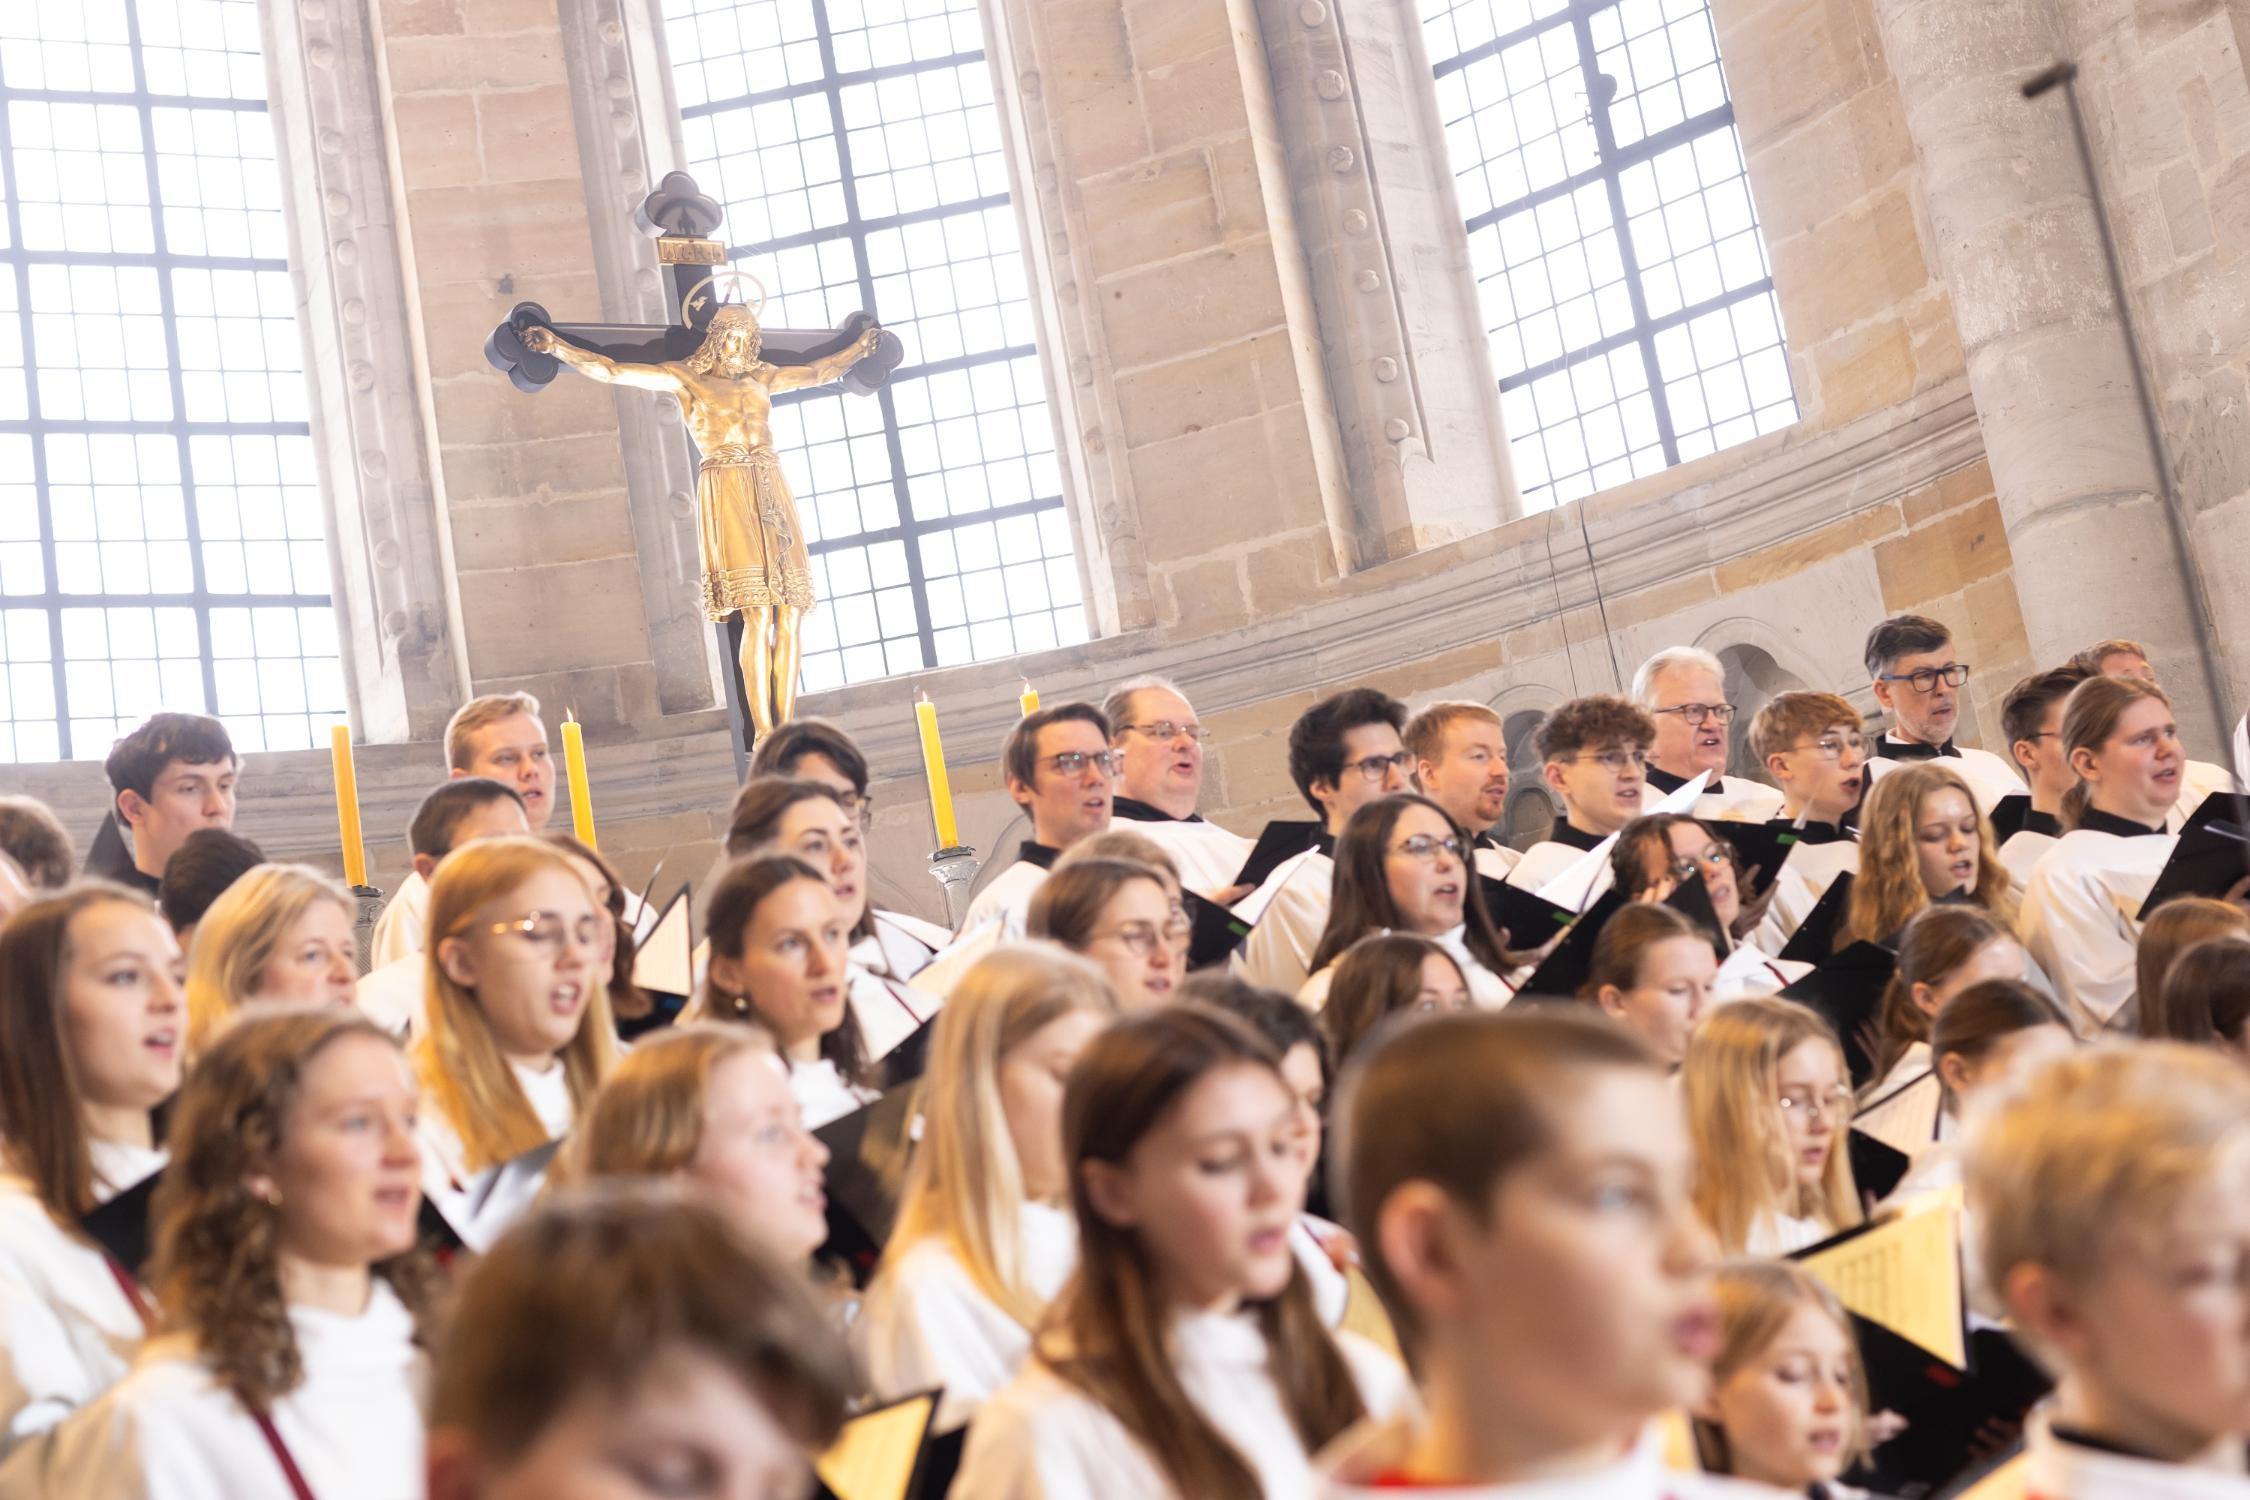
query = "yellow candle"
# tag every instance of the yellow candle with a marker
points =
(347, 804)
(581, 795)
(1029, 700)
(933, 767)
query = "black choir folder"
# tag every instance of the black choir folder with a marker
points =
(888, 1453)
(1846, 991)
(1964, 1395)
(1276, 842)
(2212, 854)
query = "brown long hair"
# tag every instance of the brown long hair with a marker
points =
(755, 821)
(42, 1110)
(1377, 977)
(1106, 1333)
(2206, 995)
(2090, 716)
(1939, 940)
(2171, 930)
(1971, 1023)
(726, 923)
(1888, 890)
(463, 1071)
(217, 1258)
(625, 997)
(1626, 938)
(1362, 901)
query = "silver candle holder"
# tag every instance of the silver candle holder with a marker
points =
(367, 905)
(955, 870)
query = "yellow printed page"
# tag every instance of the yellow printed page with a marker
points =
(1906, 1275)
(873, 1458)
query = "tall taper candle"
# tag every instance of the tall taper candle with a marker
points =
(347, 804)
(933, 768)
(1028, 700)
(581, 795)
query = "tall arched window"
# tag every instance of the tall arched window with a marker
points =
(161, 542)
(1624, 282)
(857, 151)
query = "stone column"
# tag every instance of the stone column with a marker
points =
(2015, 233)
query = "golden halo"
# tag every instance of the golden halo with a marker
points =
(733, 279)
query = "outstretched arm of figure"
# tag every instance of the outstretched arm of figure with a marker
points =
(600, 367)
(821, 371)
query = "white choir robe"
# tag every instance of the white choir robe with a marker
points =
(1207, 856)
(823, 1096)
(1989, 777)
(925, 1322)
(67, 1329)
(2051, 1469)
(2198, 780)
(1905, 1108)
(449, 1182)
(1040, 1438)
(1006, 900)
(1805, 877)
(1747, 972)
(1487, 989)
(171, 1431)
(1357, 1464)
(403, 922)
(394, 994)
(1289, 913)
(2080, 920)
(1785, 1234)
(2021, 854)
(1735, 799)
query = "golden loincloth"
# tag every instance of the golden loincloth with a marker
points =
(753, 551)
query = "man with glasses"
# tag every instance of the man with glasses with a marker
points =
(1461, 764)
(1918, 680)
(2198, 778)
(1344, 752)
(1061, 772)
(1683, 690)
(1593, 754)
(1159, 742)
(2032, 718)
(1813, 747)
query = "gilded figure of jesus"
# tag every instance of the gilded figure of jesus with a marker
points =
(754, 556)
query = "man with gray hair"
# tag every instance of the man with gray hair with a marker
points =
(1682, 688)
(1159, 742)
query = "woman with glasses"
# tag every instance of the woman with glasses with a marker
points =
(780, 956)
(1381, 975)
(2081, 906)
(1657, 854)
(1402, 866)
(782, 815)
(984, 1238)
(1122, 915)
(519, 1032)
(1768, 1106)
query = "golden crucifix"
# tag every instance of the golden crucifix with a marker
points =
(754, 556)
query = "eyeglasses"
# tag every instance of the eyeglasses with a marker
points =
(549, 933)
(1425, 847)
(1617, 762)
(1831, 747)
(1075, 762)
(1928, 678)
(1376, 767)
(1717, 857)
(1165, 729)
(1836, 1104)
(1141, 938)
(1695, 713)
(859, 805)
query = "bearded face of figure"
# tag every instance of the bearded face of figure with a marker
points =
(733, 340)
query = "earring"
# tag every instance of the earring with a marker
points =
(742, 1006)
(271, 1196)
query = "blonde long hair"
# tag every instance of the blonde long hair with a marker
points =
(965, 1186)
(464, 1074)
(238, 937)
(1732, 1078)
(1888, 890)
(1757, 1298)
(648, 1117)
